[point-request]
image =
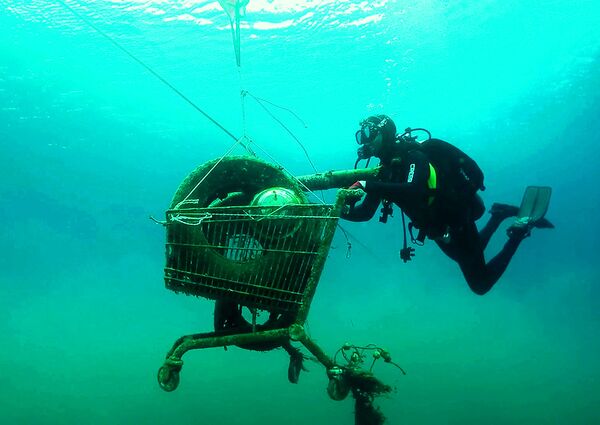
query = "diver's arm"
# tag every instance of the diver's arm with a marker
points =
(408, 186)
(395, 190)
(363, 211)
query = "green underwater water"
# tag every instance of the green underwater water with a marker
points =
(91, 144)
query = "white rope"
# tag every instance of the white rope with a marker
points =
(259, 217)
(190, 221)
(242, 101)
(209, 171)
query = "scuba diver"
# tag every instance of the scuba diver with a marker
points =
(435, 185)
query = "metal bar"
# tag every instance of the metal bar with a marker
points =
(197, 287)
(297, 333)
(319, 262)
(187, 253)
(286, 277)
(337, 179)
(302, 269)
(250, 213)
(195, 342)
(220, 233)
(255, 279)
(243, 284)
(272, 275)
(291, 278)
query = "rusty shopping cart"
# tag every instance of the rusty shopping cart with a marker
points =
(242, 232)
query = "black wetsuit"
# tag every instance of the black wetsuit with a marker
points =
(405, 183)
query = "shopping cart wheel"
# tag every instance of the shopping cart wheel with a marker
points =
(338, 387)
(168, 378)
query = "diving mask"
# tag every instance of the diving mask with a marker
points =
(369, 130)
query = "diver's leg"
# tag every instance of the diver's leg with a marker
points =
(497, 265)
(466, 249)
(499, 212)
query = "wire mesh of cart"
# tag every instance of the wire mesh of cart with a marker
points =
(265, 257)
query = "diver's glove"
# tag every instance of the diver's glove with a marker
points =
(361, 184)
(354, 197)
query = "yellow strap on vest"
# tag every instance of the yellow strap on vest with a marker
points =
(431, 182)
